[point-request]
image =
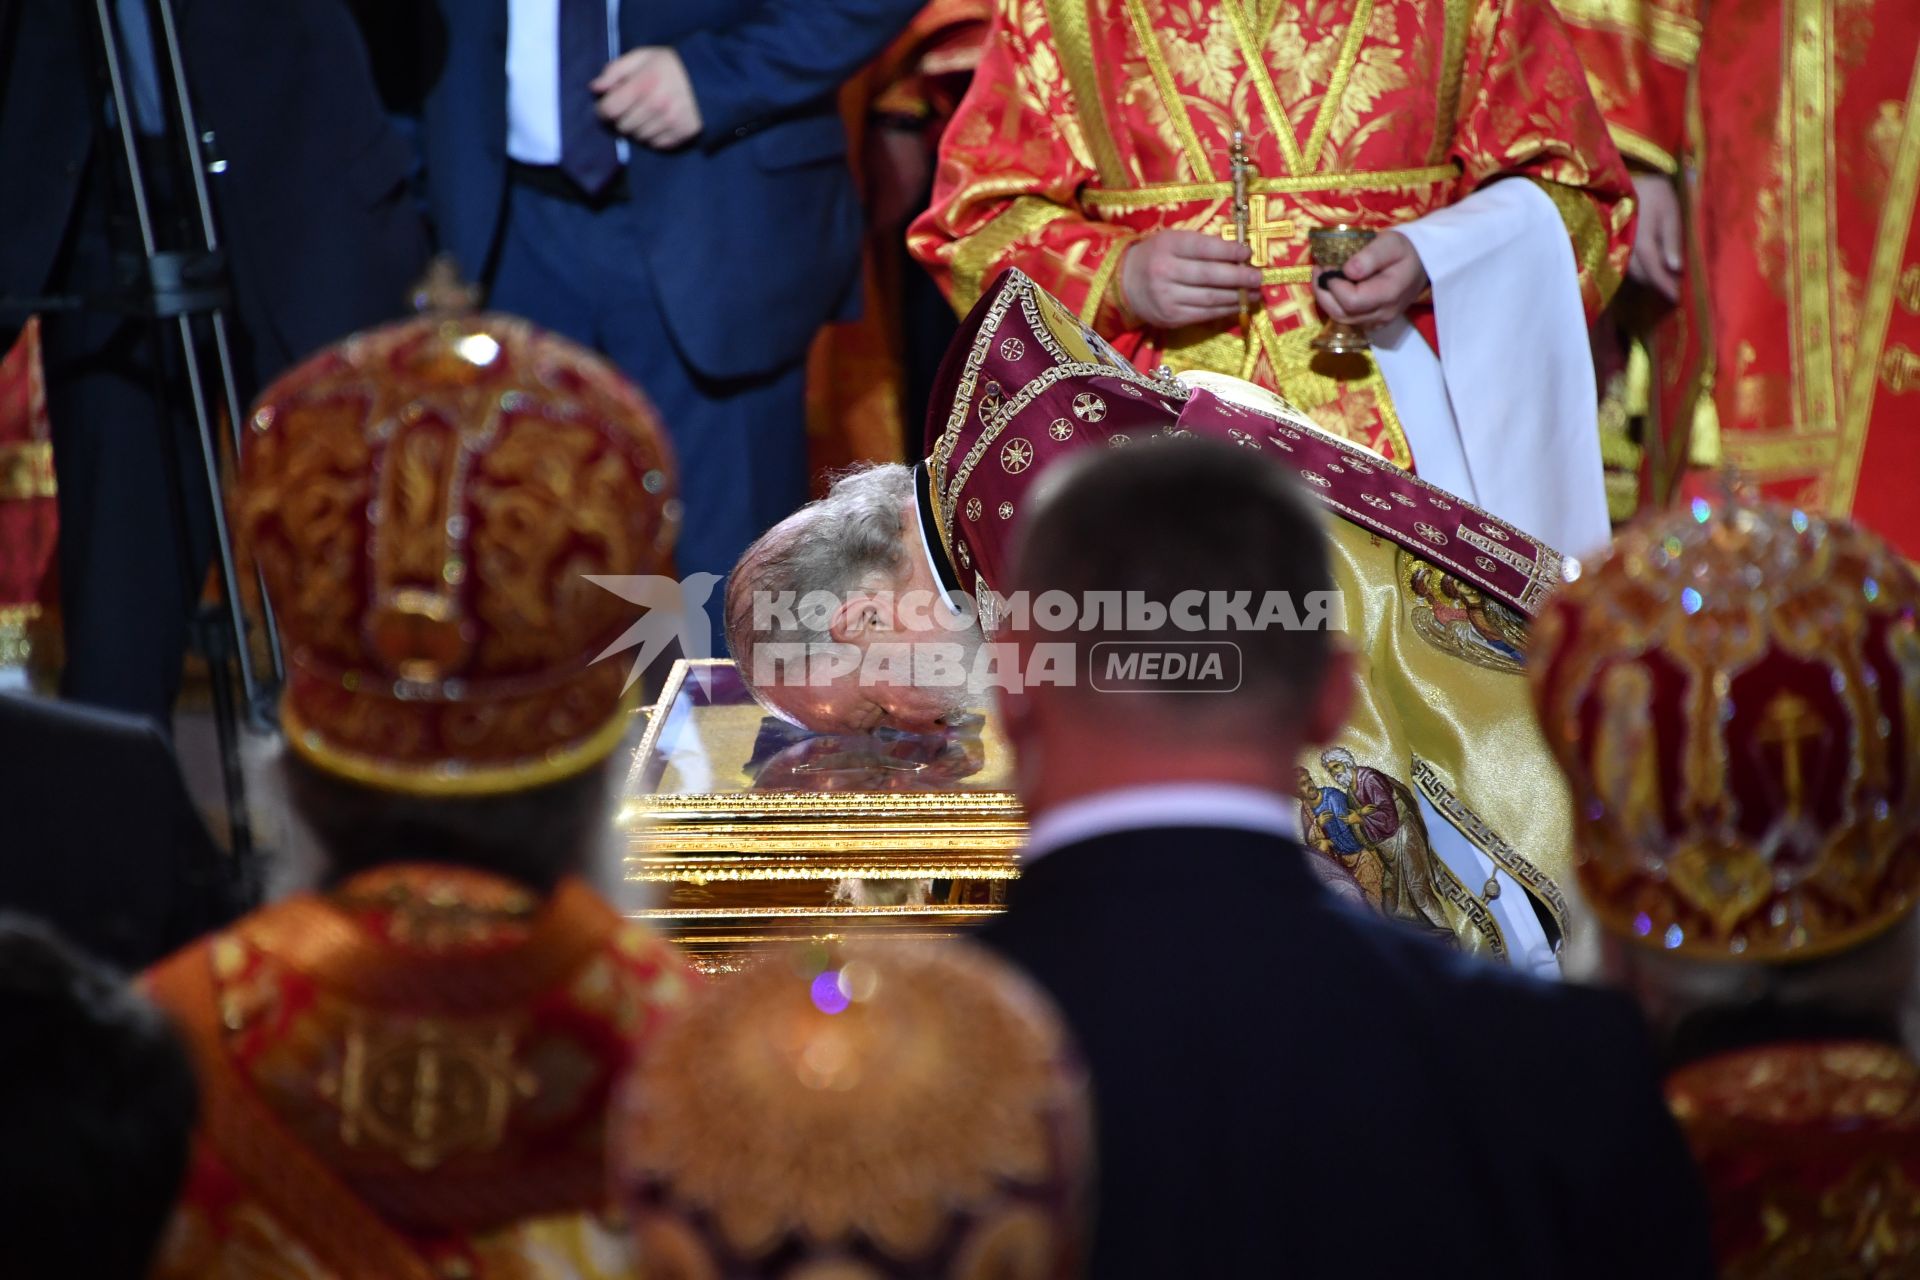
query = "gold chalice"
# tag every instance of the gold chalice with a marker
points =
(1331, 248)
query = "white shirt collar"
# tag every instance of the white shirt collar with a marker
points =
(1168, 804)
(933, 565)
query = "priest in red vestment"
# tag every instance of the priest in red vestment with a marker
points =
(1793, 356)
(1735, 696)
(1096, 152)
(912, 560)
(406, 1072)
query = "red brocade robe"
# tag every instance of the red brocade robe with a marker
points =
(407, 1077)
(1811, 1157)
(28, 521)
(1794, 358)
(1094, 122)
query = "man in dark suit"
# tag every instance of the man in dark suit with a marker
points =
(684, 206)
(102, 839)
(98, 1101)
(1284, 1085)
(307, 177)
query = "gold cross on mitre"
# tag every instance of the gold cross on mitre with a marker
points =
(1788, 723)
(1251, 225)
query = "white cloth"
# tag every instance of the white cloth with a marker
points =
(1168, 804)
(533, 78)
(1527, 947)
(1507, 415)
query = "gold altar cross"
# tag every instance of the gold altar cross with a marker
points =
(1788, 723)
(1260, 231)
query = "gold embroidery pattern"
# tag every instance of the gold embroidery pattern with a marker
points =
(1453, 58)
(1648, 152)
(427, 1090)
(1169, 91)
(1157, 195)
(1890, 245)
(1749, 1117)
(1490, 842)
(1591, 243)
(1300, 374)
(1809, 122)
(1337, 84)
(1102, 281)
(1477, 913)
(997, 422)
(26, 471)
(1068, 18)
(1672, 32)
(1908, 290)
(1825, 622)
(976, 256)
(1900, 370)
(938, 1065)
(424, 501)
(1053, 331)
(1253, 52)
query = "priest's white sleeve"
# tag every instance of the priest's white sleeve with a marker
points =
(1507, 416)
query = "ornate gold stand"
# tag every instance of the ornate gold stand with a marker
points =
(738, 868)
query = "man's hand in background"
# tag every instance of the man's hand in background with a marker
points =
(1658, 237)
(645, 94)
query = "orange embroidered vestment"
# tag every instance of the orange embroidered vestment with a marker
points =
(1092, 123)
(408, 1077)
(1802, 324)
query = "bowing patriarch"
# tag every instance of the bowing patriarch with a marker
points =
(1481, 846)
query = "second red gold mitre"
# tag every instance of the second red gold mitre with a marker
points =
(883, 1111)
(1734, 693)
(425, 502)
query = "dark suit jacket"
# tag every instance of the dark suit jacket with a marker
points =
(312, 204)
(98, 835)
(1285, 1088)
(753, 230)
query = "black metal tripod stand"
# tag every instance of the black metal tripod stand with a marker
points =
(183, 290)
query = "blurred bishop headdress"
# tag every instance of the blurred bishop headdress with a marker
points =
(880, 1110)
(1734, 694)
(425, 501)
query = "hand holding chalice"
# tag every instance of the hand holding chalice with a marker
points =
(1331, 248)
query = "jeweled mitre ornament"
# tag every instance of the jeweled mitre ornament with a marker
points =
(1734, 693)
(426, 502)
(870, 1112)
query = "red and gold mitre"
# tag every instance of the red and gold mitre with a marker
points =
(427, 501)
(1811, 1153)
(887, 1110)
(1734, 694)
